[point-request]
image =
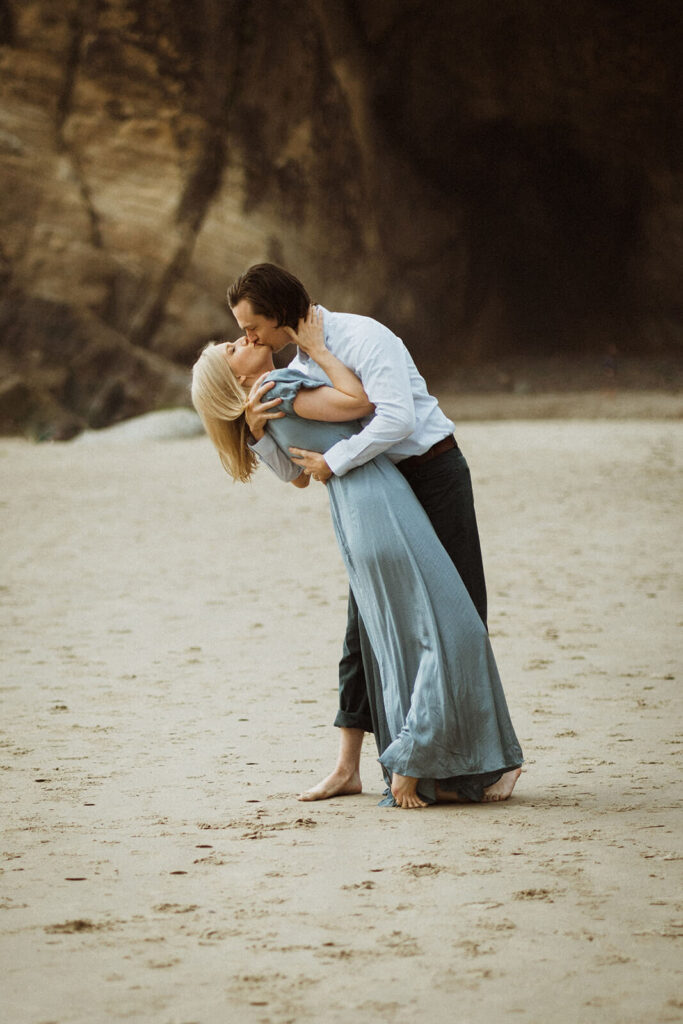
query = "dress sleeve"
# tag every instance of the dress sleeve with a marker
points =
(275, 459)
(287, 386)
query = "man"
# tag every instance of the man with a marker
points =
(407, 426)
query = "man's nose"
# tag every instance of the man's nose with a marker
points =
(251, 336)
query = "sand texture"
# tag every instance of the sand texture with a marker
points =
(169, 681)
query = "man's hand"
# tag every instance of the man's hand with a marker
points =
(312, 463)
(258, 412)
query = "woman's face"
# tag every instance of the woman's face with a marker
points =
(248, 360)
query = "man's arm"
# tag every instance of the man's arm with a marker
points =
(379, 360)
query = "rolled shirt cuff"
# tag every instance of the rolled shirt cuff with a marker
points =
(336, 460)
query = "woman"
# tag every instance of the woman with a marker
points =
(439, 713)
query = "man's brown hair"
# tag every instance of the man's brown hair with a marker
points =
(272, 292)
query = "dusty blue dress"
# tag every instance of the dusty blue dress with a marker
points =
(437, 702)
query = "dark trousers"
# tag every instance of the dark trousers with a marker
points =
(444, 489)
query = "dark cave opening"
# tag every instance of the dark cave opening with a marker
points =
(552, 235)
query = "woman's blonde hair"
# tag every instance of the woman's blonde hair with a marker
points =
(219, 399)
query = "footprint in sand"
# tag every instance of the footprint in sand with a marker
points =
(78, 925)
(417, 870)
(534, 894)
(537, 663)
(263, 829)
(175, 908)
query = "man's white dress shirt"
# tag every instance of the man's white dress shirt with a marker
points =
(407, 419)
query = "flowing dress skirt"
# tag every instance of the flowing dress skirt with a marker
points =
(437, 702)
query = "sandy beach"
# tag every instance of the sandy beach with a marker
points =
(170, 642)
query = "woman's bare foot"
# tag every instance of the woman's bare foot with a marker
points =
(341, 782)
(404, 791)
(502, 789)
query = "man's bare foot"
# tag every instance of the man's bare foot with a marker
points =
(404, 791)
(341, 782)
(502, 789)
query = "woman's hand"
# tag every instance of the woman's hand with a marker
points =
(345, 400)
(256, 411)
(309, 335)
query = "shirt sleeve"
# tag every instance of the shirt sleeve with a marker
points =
(382, 367)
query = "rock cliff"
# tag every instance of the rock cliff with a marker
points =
(483, 177)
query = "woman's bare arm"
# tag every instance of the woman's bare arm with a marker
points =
(327, 404)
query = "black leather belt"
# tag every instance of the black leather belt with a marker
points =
(439, 448)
